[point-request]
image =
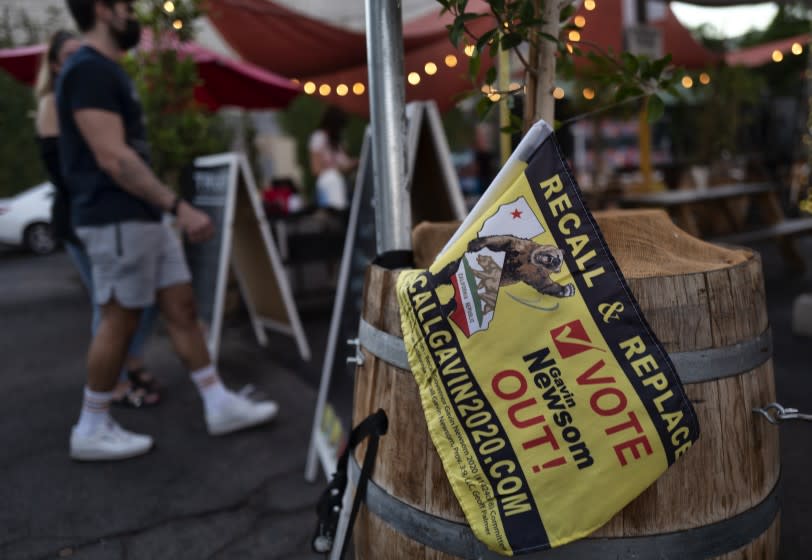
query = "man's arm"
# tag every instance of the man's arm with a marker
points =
(104, 133)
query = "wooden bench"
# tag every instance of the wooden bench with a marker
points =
(787, 228)
(682, 205)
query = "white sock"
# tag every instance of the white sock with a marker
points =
(95, 411)
(211, 389)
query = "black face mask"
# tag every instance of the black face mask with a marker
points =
(129, 36)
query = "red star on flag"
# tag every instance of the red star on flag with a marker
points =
(516, 214)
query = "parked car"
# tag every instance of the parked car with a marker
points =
(25, 220)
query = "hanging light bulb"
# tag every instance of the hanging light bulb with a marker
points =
(309, 88)
(450, 61)
(358, 88)
(342, 89)
(430, 68)
(324, 90)
(558, 93)
(589, 94)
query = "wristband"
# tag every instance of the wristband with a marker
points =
(175, 204)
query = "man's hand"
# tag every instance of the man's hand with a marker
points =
(195, 224)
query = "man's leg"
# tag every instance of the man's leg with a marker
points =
(96, 436)
(109, 346)
(177, 303)
(225, 411)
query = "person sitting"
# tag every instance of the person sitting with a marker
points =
(329, 161)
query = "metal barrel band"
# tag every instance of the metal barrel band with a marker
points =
(697, 366)
(457, 539)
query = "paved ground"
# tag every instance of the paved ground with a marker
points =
(241, 497)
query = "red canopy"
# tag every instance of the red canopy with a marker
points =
(292, 44)
(604, 27)
(225, 82)
(763, 54)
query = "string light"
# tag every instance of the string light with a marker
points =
(704, 78)
(570, 49)
(579, 21)
(589, 94)
(177, 24)
(169, 7)
(414, 78)
(589, 5)
(687, 82)
(797, 48)
(558, 93)
(574, 36)
(778, 56)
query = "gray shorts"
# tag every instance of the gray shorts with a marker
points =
(131, 261)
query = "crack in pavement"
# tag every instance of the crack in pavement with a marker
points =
(244, 502)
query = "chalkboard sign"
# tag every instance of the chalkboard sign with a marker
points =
(223, 187)
(435, 195)
(207, 188)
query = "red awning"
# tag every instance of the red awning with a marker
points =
(604, 27)
(300, 47)
(762, 54)
(22, 62)
(225, 82)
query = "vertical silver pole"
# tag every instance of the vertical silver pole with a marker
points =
(393, 212)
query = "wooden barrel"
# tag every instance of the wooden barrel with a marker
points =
(707, 306)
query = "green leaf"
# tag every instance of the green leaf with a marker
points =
(511, 40)
(483, 41)
(656, 108)
(455, 34)
(630, 62)
(474, 63)
(483, 107)
(490, 75)
(527, 12)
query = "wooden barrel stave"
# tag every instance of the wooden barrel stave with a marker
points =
(716, 307)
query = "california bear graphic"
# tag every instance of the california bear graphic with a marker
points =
(525, 261)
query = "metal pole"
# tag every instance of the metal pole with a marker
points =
(393, 211)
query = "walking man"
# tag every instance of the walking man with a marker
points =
(117, 205)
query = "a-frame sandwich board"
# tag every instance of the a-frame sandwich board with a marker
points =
(223, 186)
(435, 196)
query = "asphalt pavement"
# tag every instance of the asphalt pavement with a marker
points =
(238, 497)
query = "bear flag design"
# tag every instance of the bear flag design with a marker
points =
(536, 401)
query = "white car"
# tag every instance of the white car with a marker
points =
(25, 220)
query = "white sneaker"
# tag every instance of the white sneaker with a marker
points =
(109, 442)
(236, 412)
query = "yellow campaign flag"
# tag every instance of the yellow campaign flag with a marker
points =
(550, 402)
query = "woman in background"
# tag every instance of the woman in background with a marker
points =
(136, 386)
(329, 161)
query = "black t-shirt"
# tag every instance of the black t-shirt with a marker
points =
(90, 80)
